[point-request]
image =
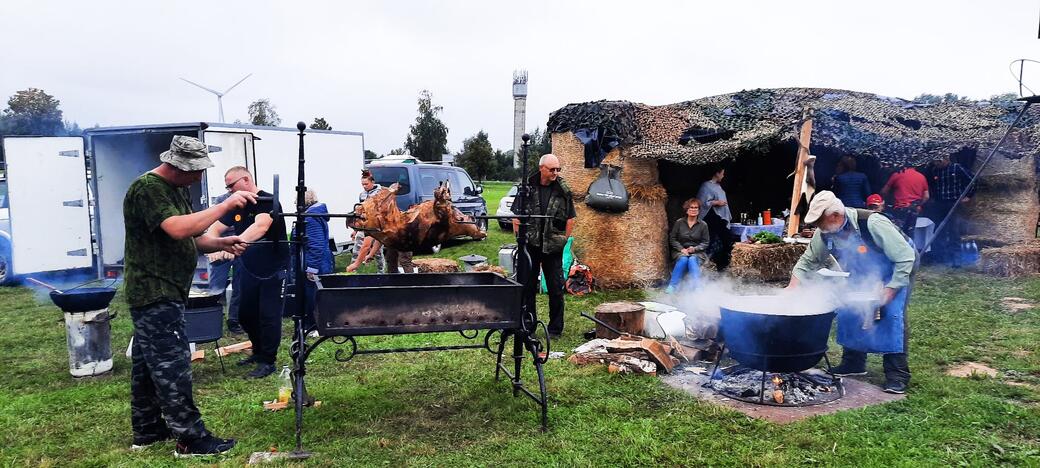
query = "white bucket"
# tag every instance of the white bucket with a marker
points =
(89, 339)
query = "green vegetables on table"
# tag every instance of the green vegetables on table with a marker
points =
(766, 237)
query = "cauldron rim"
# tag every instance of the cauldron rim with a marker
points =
(741, 304)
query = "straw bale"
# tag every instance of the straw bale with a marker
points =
(572, 162)
(764, 262)
(639, 172)
(436, 265)
(623, 249)
(1012, 261)
(640, 176)
(1002, 218)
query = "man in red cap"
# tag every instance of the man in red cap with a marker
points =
(875, 203)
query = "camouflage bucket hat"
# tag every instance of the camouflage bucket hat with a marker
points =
(187, 154)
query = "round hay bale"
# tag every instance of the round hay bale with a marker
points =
(640, 176)
(572, 162)
(623, 249)
(436, 265)
(764, 262)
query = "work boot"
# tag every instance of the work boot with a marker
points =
(262, 370)
(207, 445)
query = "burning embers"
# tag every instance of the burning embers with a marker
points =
(807, 388)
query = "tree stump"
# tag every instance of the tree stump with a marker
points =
(624, 316)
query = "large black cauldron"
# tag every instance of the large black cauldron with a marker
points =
(774, 341)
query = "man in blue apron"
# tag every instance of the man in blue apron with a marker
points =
(876, 254)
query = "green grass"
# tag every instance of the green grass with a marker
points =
(444, 409)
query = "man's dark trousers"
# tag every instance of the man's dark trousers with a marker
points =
(160, 374)
(260, 313)
(551, 266)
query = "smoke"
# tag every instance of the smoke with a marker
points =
(65, 280)
(701, 302)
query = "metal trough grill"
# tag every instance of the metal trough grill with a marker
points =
(360, 305)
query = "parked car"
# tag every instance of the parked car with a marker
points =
(505, 209)
(417, 182)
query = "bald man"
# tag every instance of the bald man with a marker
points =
(259, 273)
(546, 238)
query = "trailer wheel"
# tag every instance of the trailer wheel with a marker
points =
(6, 275)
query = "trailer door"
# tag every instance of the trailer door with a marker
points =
(227, 149)
(49, 208)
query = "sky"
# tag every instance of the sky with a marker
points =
(362, 64)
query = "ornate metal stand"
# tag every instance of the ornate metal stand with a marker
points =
(525, 338)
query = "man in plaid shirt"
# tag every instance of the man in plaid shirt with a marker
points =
(949, 179)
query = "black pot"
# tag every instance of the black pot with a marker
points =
(772, 342)
(83, 299)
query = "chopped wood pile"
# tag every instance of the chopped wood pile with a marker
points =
(629, 354)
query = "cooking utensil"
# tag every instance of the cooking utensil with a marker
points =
(41, 283)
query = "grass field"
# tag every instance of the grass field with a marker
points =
(444, 409)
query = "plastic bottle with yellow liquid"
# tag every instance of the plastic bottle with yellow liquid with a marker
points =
(284, 385)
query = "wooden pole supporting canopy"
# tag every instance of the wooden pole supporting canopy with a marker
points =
(804, 139)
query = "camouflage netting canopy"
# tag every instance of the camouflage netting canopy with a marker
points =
(895, 131)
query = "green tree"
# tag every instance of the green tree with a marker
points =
(262, 112)
(397, 151)
(320, 124)
(504, 169)
(32, 112)
(477, 157)
(370, 155)
(428, 138)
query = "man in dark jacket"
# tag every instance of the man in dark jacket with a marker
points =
(550, 196)
(263, 268)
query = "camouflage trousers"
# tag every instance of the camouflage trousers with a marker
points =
(161, 399)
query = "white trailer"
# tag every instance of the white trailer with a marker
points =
(65, 194)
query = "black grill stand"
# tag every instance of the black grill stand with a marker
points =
(524, 338)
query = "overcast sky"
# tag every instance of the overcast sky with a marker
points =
(361, 65)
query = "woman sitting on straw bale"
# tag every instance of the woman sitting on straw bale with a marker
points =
(688, 240)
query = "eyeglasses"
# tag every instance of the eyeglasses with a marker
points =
(554, 169)
(229, 186)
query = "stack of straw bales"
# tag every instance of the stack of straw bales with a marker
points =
(1016, 260)
(623, 249)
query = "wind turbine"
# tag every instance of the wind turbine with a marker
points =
(220, 95)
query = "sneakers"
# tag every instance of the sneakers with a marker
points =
(262, 370)
(246, 361)
(141, 443)
(845, 369)
(895, 386)
(207, 445)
